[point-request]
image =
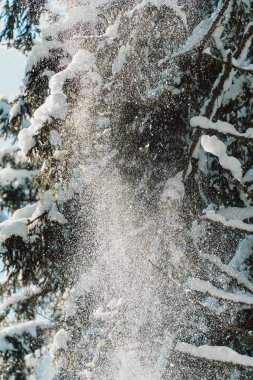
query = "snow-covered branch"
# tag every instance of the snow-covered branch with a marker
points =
(216, 353)
(231, 223)
(217, 19)
(222, 127)
(245, 70)
(206, 287)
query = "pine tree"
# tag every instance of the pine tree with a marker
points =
(19, 189)
(156, 96)
(32, 236)
(192, 85)
(21, 21)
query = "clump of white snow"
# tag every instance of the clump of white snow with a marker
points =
(16, 177)
(173, 4)
(207, 287)
(18, 329)
(60, 342)
(219, 353)
(24, 219)
(218, 148)
(234, 223)
(220, 126)
(174, 188)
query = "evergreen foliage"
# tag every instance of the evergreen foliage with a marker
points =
(32, 242)
(162, 95)
(21, 21)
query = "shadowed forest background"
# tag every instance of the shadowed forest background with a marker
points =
(126, 188)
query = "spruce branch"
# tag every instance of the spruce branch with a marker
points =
(243, 70)
(213, 27)
(188, 293)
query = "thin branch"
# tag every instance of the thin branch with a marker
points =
(240, 137)
(29, 222)
(196, 136)
(229, 63)
(229, 227)
(187, 291)
(167, 276)
(223, 268)
(217, 91)
(205, 39)
(213, 26)
(246, 37)
(44, 316)
(242, 187)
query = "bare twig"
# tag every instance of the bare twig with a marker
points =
(44, 316)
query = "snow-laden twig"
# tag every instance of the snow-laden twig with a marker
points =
(211, 144)
(214, 25)
(22, 297)
(226, 76)
(229, 270)
(216, 353)
(206, 287)
(244, 70)
(199, 37)
(231, 223)
(187, 293)
(221, 127)
(14, 331)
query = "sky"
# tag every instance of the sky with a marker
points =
(12, 66)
